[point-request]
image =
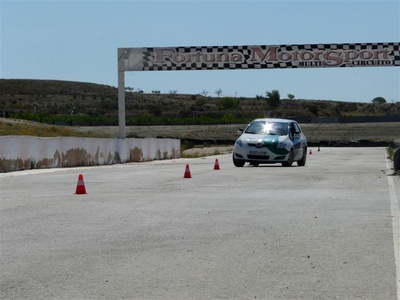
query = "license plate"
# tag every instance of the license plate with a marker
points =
(258, 153)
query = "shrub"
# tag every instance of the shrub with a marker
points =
(228, 103)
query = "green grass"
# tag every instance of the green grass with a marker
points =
(390, 152)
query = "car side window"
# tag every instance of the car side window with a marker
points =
(296, 128)
(292, 129)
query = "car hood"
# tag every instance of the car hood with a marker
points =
(279, 144)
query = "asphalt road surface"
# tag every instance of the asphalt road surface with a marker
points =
(329, 230)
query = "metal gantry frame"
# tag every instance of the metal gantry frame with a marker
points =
(386, 54)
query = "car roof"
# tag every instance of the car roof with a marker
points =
(274, 120)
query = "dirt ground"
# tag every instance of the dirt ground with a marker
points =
(207, 150)
(201, 140)
(316, 133)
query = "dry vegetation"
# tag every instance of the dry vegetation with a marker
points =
(45, 97)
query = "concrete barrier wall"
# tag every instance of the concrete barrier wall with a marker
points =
(28, 152)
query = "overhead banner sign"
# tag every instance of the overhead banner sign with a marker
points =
(259, 57)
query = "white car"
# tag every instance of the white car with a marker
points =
(266, 141)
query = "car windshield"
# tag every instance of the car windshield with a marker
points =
(269, 128)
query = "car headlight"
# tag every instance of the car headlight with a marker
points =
(239, 142)
(282, 145)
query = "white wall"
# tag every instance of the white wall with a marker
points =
(28, 152)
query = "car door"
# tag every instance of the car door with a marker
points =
(296, 138)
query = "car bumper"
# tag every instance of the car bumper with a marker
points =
(261, 156)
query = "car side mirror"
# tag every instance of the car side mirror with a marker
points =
(239, 131)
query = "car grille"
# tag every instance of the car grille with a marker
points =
(255, 145)
(257, 156)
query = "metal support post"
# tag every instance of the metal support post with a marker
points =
(121, 95)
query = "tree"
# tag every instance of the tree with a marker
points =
(378, 100)
(204, 93)
(290, 96)
(218, 92)
(273, 99)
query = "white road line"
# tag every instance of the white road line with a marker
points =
(395, 211)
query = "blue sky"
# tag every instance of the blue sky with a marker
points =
(78, 41)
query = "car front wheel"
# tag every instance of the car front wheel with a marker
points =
(238, 162)
(290, 160)
(302, 161)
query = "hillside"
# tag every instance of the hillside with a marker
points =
(66, 102)
(195, 119)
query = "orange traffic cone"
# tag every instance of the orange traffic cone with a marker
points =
(80, 188)
(310, 152)
(216, 165)
(187, 172)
